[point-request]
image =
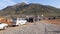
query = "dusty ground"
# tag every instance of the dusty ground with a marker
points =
(25, 29)
(54, 21)
(31, 28)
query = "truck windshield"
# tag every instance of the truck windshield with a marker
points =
(14, 19)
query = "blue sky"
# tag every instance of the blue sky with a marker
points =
(5, 3)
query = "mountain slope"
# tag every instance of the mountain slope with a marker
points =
(30, 9)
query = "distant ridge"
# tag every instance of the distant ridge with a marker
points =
(30, 9)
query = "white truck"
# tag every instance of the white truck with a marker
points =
(19, 21)
(3, 26)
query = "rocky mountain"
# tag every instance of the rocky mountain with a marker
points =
(30, 9)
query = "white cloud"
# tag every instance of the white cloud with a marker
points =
(5, 3)
(24, 1)
(9, 1)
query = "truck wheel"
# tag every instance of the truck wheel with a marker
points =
(5, 28)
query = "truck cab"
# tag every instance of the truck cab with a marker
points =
(19, 21)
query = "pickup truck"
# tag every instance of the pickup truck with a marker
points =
(3, 26)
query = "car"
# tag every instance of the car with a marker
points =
(3, 26)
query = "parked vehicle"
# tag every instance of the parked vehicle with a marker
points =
(19, 21)
(30, 19)
(3, 26)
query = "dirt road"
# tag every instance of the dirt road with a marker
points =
(26, 29)
(38, 28)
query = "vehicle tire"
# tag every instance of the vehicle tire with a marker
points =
(5, 27)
